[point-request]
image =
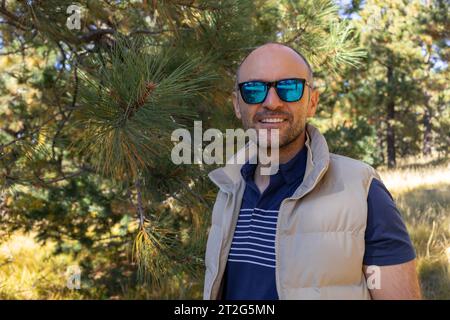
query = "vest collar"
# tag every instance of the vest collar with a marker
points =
(317, 161)
(228, 177)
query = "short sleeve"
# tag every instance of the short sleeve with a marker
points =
(387, 241)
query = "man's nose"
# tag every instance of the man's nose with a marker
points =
(272, 100)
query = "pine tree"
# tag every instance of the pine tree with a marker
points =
(86, 146)
(398, 86)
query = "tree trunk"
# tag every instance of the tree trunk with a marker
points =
(380, 141)
(427, 134)
(390, 118)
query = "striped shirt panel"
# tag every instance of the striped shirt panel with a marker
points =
(254, 237)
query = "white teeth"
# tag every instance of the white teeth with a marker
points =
(272, 120)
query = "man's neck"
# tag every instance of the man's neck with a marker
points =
(286, 153)
(289, 151)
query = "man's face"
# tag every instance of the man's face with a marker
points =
(271, 63)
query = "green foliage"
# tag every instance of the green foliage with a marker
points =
(86, 117)
(357, 141)
(130, 102)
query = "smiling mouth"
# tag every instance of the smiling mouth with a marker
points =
(272, 120)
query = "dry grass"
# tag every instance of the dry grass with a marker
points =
(30, 271)
(425, 173)
(422, 193)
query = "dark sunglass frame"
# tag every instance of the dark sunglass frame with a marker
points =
(274, 84)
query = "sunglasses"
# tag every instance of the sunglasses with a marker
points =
(289, 90)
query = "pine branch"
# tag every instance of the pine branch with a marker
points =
(26, 135)
(140, 207)
(66, 118)
(131, 110)
(133, 78)
(96, 35)
(20, 50)
(11, 18)
(43, 182)
(194, 194)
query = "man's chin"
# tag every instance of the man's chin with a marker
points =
(268, 143)
(270, 138)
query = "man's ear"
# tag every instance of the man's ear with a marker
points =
(313, 103)
(237, 111)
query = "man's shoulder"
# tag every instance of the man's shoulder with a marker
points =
(349, 162)
(350, 167)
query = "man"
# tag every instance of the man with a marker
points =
(322, 225)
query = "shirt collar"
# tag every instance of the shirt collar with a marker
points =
(248, 171)
(291, 171)
(294, 169)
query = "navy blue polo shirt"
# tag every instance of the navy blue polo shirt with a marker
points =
(250, 269)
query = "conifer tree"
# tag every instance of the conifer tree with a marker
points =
(85, 145)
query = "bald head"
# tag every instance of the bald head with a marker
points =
(271, 52)
(270, 63)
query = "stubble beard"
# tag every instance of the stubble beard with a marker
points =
(293, 132)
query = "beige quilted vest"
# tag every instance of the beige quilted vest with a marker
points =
(319, 243)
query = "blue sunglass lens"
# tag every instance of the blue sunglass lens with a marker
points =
(290, 90)
(254, 92)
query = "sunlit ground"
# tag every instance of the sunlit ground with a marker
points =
(30, 271)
